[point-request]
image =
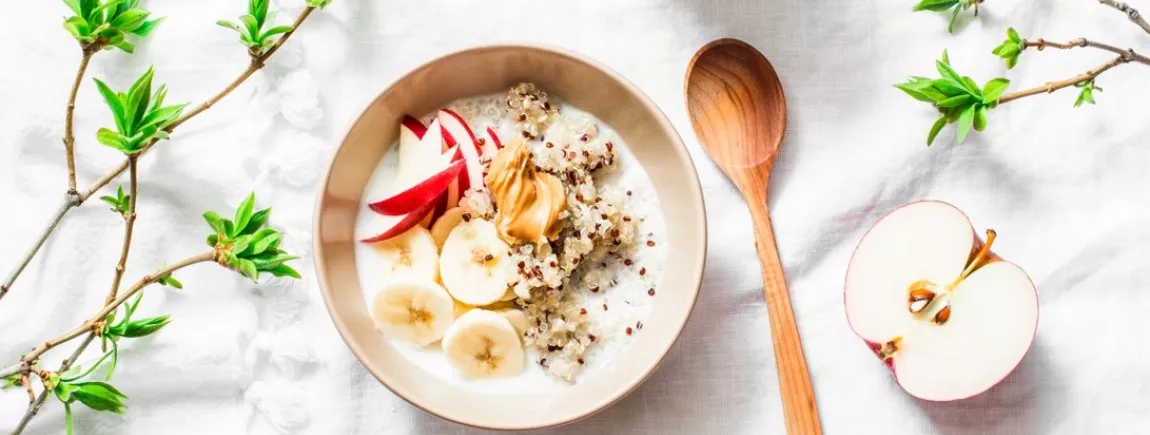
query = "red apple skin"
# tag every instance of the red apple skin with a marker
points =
(978, 242)
(419, 195)
(494, 138)
(440, 208)
(414, 125)
(412, 219)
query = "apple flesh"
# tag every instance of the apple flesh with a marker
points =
(456, 129)
(947, 316)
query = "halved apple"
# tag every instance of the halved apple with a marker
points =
(946, 315)
(419, 195)
(456, 129)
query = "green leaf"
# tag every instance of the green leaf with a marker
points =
(241, 245)
(125, 46)
(263, 239)
(76, 373)
(112, 139)
(970, 85)
(74, 5)
(114, 103)
(994, 89)
(1088, 93)
(1011, 62)
(921, 90)
(11, 381)
(215, 221)
(945, 57)
(247, 268)
(980, 118)
(146, 28)
(284, 270)
(955, 101)
(263, 262)
(100, 396)
(953, 18)
(229, 228)
(138, 98)
(259, 10)
(161, 117)
(77, 27)
(1008, 50)
(934, 5)
(1013, 35)
(167, 280)
(244, 213)
(213, 240)
(130, 20)
(275, 31)
(949, 88)
(947, 72)
(318, 3)
(252, 26)
(231, 25)
(145, 327)
(965, 121)
(99, 15)
(257, 221)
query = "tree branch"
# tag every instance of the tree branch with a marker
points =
(1131, 56)
(1131, 13)
(1054, 86)
(129, 223)
(1124, 56)
(77, 199)
(69, 138)
(89, 325)
(35, 406)
(65, 206)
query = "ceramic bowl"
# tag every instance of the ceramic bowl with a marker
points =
(585, 84)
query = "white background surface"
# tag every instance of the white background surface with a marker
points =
(1064, 187)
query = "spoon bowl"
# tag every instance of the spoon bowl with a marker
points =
(738, 111)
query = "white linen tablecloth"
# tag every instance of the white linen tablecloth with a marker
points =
(1064, 187)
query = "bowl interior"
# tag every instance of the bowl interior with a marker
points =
(482, 71)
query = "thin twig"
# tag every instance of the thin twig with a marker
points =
(90, 324)
(69, 138)
(129, 223)
(76, 200)
(34, 407)
(1124, 56)
(1054, 86)
(1041, 44)
(65, 205)
(1130, 12)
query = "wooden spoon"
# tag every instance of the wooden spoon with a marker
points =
(739, 113)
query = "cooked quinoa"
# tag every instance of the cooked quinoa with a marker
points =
(597, 226)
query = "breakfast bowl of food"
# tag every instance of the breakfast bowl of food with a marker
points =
(510, 237)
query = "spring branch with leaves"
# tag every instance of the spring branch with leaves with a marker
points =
(243, 243)
(961, 101)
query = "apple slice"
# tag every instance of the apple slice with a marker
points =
(946, 315)
(419, 195)
(492, 145)
(413, 126)
(380, 228)
(457, 130)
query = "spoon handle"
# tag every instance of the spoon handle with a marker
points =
(802, 417)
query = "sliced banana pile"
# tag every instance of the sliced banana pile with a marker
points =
(450, 285)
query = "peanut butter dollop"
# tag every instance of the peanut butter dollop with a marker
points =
(527, 202)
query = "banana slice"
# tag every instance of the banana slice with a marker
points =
(483, 344)
(517, 318)
(474, 263)
(412, 309)
(411, 254)
(445, 224)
